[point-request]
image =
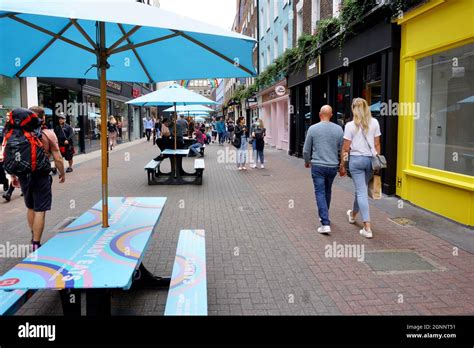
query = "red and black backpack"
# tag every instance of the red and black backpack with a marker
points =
(23, 151)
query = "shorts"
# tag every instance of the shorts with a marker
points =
(67, 152)
(36, 190)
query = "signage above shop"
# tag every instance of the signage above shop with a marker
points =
(313, 68)
(280, 90)
(252, 100)
(116, 86)
(136, 92)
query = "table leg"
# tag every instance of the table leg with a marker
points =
(145, 279)
(98, 302)
(71, 302)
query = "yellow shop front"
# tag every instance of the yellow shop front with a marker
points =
(435, 162)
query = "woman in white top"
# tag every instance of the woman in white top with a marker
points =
(362, 142)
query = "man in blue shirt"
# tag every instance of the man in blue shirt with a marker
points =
(220, 125)
(321, 152)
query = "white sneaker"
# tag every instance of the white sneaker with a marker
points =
(349, 217)
(324, 229)
(366, 233)
(262, 166)
(240, 168)
(244, 168)
(254, 166)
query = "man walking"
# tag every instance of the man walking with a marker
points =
(36, 185)
(65, 135)
(149, 124)
(321, 149)
(220, 125)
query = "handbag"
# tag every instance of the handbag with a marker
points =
(375, 187)
(378, 161)
(237, 141)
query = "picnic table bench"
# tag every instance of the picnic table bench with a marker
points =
(188, 288)
(86, 257)
(177, 176)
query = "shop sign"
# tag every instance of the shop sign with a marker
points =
(280, 90)
(116, 86)
(136, 92)
(313, 68)
(252, 100)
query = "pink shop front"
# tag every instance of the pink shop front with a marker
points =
(273, 109)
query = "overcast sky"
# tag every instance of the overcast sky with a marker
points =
(217, 12)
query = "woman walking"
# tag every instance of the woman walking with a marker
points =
(258, 142)
(242, 138)
(361, 142)
(113, 132)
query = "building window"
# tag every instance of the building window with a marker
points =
(285, 38)
(343, 98)
(275, 9)
(336, 7)
(315, 14)
(268, 55)
(262, 61)
(444, 111)
(275, 48)
(268, 14)
(299, 24)
(262, 24)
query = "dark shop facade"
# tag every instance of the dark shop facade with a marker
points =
(367, 66)
(79, 99)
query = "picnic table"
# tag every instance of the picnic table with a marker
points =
(86, 257)
(177, 176)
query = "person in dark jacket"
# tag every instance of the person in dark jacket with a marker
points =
(65, 135)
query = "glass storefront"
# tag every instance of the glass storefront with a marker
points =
(444, 136)
(92, 132)
(120, 112)
(10, 96)
(343, 98)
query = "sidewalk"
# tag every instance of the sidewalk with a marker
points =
(264, 256)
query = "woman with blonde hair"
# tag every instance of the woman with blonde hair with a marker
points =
(361, 143)
(112, 129)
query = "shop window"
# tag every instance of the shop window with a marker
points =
(343, 98)
(372, 86)
(444, 109)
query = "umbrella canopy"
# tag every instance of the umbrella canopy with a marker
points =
(57, 38)
(122, 41)
(190, 108)
(194, 113)
(171, 95)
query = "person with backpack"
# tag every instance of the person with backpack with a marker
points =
(258, 142)
(9, 185)
(241, 142)
(28, 145)
(65, 135)
(220, 126)
(113, 131)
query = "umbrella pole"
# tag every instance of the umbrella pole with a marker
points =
(103, 126)
(175, 124)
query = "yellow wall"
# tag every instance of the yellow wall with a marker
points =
(436, 26)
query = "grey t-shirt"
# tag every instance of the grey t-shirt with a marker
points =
(323, 143)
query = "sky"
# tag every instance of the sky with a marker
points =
(217, 12)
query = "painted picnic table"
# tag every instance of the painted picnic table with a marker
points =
(86, 256)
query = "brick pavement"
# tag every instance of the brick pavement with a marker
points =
(263, 254)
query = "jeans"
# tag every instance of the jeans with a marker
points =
(241, 157)
(323, 178)
(148, 134)
(257, 153)
(195, 148)
(361, 171)
(221, 137)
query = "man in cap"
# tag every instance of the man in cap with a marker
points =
(65, 134)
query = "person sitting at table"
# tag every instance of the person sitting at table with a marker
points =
(195, 149)
(179, 136)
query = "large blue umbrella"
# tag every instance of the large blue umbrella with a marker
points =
(119, 41)
(171, 95)
(192, 108)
